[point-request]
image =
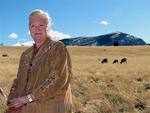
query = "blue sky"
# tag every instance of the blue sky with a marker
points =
(73, 18)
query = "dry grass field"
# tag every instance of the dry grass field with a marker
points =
(97, 87)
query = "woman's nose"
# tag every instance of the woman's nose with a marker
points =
(37, 28)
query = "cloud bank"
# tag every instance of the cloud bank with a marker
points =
(28, 43)
(56, 35)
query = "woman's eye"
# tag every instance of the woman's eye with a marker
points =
(41, 25)
(32, 26)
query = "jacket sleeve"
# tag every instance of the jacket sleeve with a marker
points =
(12, 93)
(57, 77)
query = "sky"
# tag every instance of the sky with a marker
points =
(74, 18)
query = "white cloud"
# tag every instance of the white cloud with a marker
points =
(28, 43)
(17, 44)
(104, 23)
(56, 35)
(13, 35)
(28, 32)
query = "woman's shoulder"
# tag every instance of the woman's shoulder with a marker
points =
(58, 44)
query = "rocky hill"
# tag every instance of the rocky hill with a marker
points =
(115, 38)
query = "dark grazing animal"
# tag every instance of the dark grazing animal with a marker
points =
(104, 60)
(123, 60)
(4, 55)
(115, 61)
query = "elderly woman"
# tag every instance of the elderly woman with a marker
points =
(43, 80)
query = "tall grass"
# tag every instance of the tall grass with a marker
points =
(97, 87)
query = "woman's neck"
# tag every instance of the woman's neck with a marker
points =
(38, 45)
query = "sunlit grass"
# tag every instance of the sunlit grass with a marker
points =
(96, 87)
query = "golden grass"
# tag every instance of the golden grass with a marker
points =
(96, 87)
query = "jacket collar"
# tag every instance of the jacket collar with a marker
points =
(46, 42)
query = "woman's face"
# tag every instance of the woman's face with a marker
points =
(38, 28)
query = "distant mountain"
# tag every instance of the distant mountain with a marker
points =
(115, 38)
(1, 44)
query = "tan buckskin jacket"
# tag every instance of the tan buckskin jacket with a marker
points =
(47, 76)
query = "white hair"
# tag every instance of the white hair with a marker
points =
(42, 12)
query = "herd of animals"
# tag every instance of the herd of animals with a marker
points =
(105, 60)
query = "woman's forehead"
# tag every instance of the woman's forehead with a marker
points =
(39, 18)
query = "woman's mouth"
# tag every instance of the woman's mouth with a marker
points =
(37, 33)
